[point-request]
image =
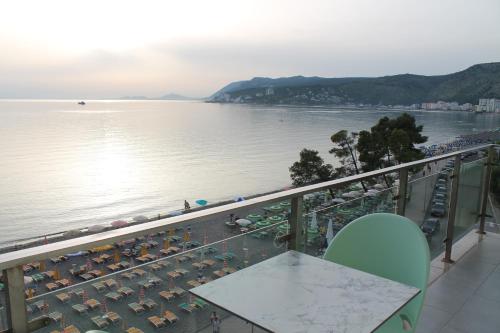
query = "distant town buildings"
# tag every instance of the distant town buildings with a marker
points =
(484, 105)
(488, 105)
(452, 106)
(325, 96)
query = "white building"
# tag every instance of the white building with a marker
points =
(269, 91)
(488, 105)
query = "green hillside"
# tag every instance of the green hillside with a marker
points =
(467, 86)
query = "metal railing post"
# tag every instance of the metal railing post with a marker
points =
(486, 189)
(296, 223)
(403, 187)
(16, 302)
(452, 210)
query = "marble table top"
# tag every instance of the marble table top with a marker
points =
(295, 292)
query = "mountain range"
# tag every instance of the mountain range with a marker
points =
(466, 86)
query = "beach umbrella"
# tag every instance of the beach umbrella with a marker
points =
(356, 193)
(202, 202)
(140, 218)
(239, 198)
(329, 232)
(243, 222)
(314, 221)
(119, 223)
(338, 200)
(348, 195)
(77, 254)
(355, 187)
(326, 199)
(96, 228)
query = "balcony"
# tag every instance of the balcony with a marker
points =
(138, 278)
(466, 297)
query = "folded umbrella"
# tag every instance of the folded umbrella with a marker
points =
(96, 228)
(140, 218)
(119, 223)
(243, 222)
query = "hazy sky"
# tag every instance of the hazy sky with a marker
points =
(102, 49)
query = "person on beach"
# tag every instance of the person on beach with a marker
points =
(186, 205)
(215, 321)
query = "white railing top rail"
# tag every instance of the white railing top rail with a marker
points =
(15, 258)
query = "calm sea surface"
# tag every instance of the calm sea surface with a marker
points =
(65, 166)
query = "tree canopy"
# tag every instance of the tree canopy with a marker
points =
(390, 141)
(345, 150)
(310, 169)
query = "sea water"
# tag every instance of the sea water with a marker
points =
(66, 166)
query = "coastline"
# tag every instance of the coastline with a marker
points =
(462, 141)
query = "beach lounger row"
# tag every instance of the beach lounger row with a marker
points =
(169, 251)
(90, 275)
(55, 316)
(146, 304)
(56, 260)
(133, 274)
(31, 266)
(57, 284)
(103, 321)
(101, 259)
(104, 285)
(146, 258)
(158, 322)
(134, 330)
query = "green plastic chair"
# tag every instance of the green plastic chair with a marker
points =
(390, 246)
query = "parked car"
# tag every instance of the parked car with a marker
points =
(469, 156)
(441, 189)
(441, 196)
(430, 226)
(438, 210)
(442, 181)
(443, 175)
(436, 201)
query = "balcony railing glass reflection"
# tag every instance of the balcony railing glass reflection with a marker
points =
(295, 219)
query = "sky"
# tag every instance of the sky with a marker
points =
(108, 49)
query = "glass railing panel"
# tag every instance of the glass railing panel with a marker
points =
(4, 324)
(154, 294)
(255, 214)
(261, 223)
(469, 197)
(427, 203)
(179, 236)
(327, 214)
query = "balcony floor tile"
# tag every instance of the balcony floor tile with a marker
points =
(466, 298)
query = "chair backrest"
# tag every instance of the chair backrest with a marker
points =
(389, 246)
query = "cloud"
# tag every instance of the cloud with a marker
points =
(195, 53)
